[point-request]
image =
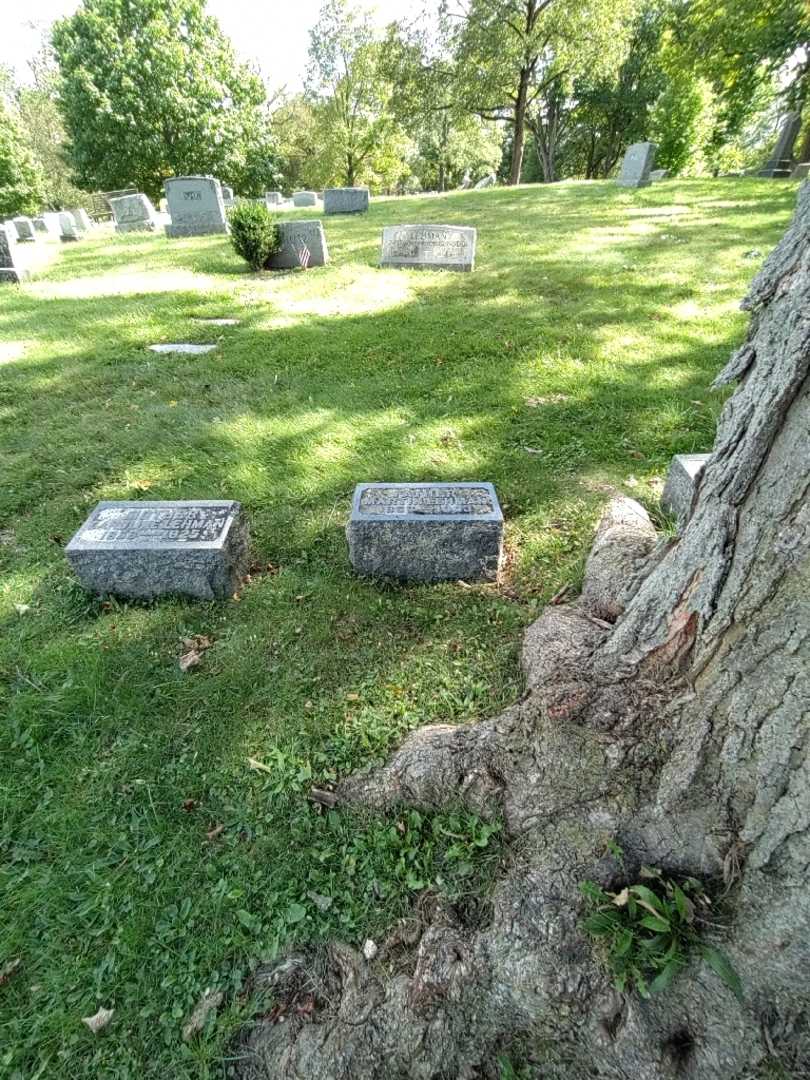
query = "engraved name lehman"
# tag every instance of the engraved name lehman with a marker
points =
(436, 501)
(183, 525)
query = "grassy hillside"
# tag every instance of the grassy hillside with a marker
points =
(142, 859)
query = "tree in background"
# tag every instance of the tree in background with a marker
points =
(350, 96)
(520, 58)
(151, 89)
(21, 180)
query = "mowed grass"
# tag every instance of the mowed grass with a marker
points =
(143, 860)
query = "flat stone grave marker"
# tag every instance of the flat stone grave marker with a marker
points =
(133, 213)
(196, 206)
(345, 200)
(637, 164)
(684, 471)
(305, 198)
(426, 532)
(25, 229)
(148, 549)
(303, 243)
(9, 271)
(485, 182)
(218, 322)
(182, 347)
(69, 229)
(429, 247)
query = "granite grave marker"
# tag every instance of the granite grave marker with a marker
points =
(148, 549)
(69, 229)
(196, 206)
(25, 229)
(780, 164)
(429, 247)
(637, 165)
(426, 532)
(303, 243)
(305, 198)
(9, 271)
(485, 182)
(345, 200)
(133, 213)
(682, 478)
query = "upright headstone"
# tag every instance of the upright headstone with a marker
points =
(426, 532)
(227, 193)
(303, 243)
(11, 231)
(82, 219)
(801, 172)
(68, 229)
(779, 165)
(429, 247)
(133, 213)
(637, 165)
(684, 471)
(345, 200)
(273, 198)
(25, 229)
(9, 271)
(485, 182)
(304, 198)
(657, 175)
(196, 206)
(40, 225)
(52, 222)
(147, 549)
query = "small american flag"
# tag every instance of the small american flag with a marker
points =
(304, 256)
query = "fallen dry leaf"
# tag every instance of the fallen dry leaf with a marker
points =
(352, 697)
(620, 899)
(195, 647)
(22, 609)
(99, 1021)
(209, 1002)
(217, 830)
(259, 765)
(8, 969)
(548, 399)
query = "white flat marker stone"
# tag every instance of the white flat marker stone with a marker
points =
(219, 322)
(182, 347)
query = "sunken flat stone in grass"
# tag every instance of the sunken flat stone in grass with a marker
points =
(196, 206)
(303, 243)
(182, 347)
(345, 200)
(25, 229)
(148, 549)
(305, 198)
(9, 271)
(133, 213)
(429, 247)
(637, 165)
(683, 475)
(426, 532)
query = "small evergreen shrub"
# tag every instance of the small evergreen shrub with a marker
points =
(254, 233)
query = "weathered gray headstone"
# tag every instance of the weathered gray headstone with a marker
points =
(82, 219)
(303, 243)
(227, 193)
(272, 198)
(147, 549)
(637, 165)
(25, 229)
(40, 225)
(345, 200)
(658, 174)
(429, 247)
(780, 164)
(426, 532)
(684, 471)
(196, 206)
(485, 182)
(9, 271)
(304, 198)
(801, 172)
(11, 231)
(52, 222)
(69, 229)
(133, 213)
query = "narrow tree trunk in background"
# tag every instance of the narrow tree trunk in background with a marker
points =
(667, 711)
(520, 127)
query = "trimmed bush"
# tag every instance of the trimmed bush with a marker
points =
(254, 233)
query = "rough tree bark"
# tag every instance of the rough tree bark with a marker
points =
(667, 710)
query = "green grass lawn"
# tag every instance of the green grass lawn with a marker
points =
(141, 859)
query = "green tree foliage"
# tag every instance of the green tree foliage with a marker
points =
(520, 58)
(151, 89)
(21, 181)
(254, 233)
(350, 96)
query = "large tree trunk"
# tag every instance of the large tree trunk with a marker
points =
(666, 710)
(520, 126)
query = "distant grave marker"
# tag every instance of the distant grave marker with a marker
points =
(9, 271)
(305, 198)
(133, 213)
(485, 182)
(303, 243)
(196, 206)
(637, 165)
(345, 200)
(426, 532)
(69, 229)
(273, 198)
(429, 247)
(779, 165)
(148, 549)
(683, 475)
(25, 229)
(182, 347)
